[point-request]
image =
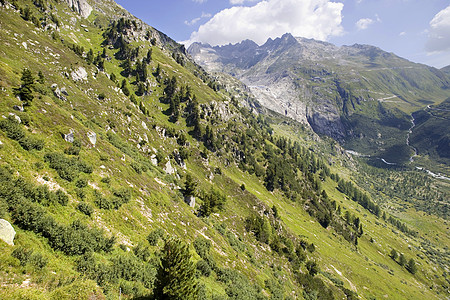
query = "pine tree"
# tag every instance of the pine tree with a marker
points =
(90, 56)
(394, 254)
(149, 56)
(25, 91)
(411, 266)
(176, 273)
(190, 186)
(402, 260)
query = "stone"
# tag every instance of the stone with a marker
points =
(58, 94)
(92, 137)
(153, 160)
(144, 125)
(79, 74)
(18, 108)
(179, 159)
(190, 200)
(16, 117)
(168, 168)
(69, 137)
(7, 232)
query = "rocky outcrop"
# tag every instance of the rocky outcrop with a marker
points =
(7, 232)
(80, 6)
(79, 74)
(92, 136)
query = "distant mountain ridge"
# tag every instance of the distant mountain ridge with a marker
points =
(360, 95)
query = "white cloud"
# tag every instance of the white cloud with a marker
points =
(364, 23)
(199, 1)
(439, 32)
(240, 2)
(402, 33)
(192, 22)
(317, 19)
(195, 21)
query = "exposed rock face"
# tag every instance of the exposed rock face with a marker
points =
(80, 6)
(79, 74)
(7, 232)
(69, 137)
(190, 200)
(168, 168)
(18, 108)
(92, 136)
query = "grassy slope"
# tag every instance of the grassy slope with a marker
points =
(156, 202)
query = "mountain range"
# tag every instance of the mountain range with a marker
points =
(129, 171)
(359, 95)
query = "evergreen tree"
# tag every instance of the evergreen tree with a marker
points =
(124, 88)
(41, 77)
(90, 56)
(149, 56)
(394, 254)
(411, 266)
(25, 91)
(402, 260)
(312, 267)
(176, 273)
(190, 186)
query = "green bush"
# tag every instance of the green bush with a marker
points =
(22, 254)
(38, 260)
(154, 236)
(81, 183)
(62, 197)
(14, 131)
(67, 168)
(85, 208)
(204, 268)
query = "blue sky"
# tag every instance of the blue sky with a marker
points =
(418, 30)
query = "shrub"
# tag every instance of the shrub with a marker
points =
(22, 254)
(202, 247)
(106, 180)
(14, 131)
(62, 197)
(102, 202)
(142, 252)
(38, 260)
(154, 236)
(30, 143)
(67, 168)
(81, 183)
(85, 208)
(204, 268)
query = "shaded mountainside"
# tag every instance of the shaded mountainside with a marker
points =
(127, 171)
(446, 69)
(431, 135)
(360, 95)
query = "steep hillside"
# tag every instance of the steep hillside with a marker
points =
(359, 95)
(127, 171)
(446, 69)
(430, 135)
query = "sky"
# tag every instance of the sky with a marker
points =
(418, 30)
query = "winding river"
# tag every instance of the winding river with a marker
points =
(411, 159)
